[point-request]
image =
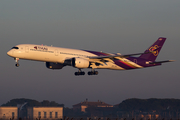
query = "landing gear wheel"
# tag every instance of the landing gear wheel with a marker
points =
(79, 73)
(82, 73)
(93, 73)
(90, 73)
(76, 73)
(17, 64)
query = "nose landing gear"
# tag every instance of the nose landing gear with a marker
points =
(17, 64)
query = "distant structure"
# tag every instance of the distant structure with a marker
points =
(45, 113)
(86, 104)
(8, 113)
(31, 110)
(20, 110)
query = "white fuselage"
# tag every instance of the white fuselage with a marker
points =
(55, 55)
(46, 53)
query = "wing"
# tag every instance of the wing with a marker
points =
(121, 56)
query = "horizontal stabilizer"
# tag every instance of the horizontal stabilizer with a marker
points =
(161, 61)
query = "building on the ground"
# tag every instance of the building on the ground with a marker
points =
(8, 113)
(116, 106)
(45, 113)
(86, 104)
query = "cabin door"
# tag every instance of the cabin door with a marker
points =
(27, 49)
(56, 52)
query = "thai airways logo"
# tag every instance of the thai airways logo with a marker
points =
(40, 48)
(155, 47)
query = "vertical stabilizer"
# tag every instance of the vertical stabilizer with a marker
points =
(157, 47)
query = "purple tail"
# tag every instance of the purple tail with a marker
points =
(157, 47)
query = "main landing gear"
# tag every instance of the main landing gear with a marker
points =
(79, 73)
(17, 64)
(93, 72)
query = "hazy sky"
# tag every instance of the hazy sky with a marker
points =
(124, 26)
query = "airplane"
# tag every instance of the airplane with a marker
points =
(57, 57)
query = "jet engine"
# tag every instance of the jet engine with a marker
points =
(80, 63)
(52, 65)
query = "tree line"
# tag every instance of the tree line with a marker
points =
(148, 105)
(31, 103)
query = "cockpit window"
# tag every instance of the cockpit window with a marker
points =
(15, 47)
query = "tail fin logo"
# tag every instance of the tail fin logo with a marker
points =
(151, 49)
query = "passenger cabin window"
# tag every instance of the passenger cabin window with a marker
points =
(15, 47)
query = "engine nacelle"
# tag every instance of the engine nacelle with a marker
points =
(80, 63)
(52, 65)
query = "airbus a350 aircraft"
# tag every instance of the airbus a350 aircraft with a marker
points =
(57, 58)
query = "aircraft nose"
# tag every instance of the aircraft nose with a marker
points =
(9, 53)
